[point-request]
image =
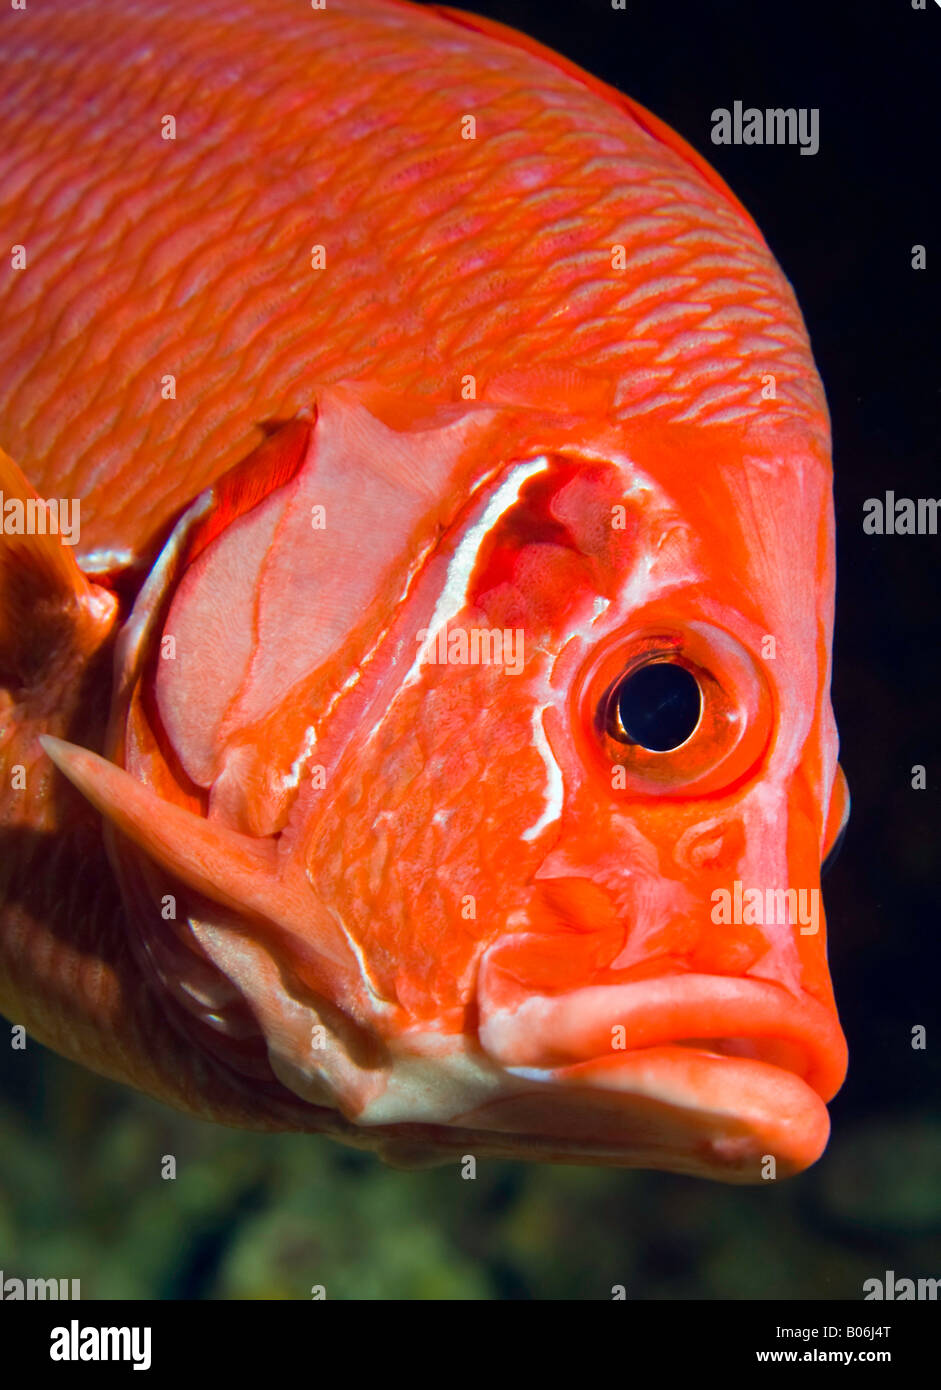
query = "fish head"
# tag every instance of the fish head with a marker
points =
(670, 953)
(486, 764)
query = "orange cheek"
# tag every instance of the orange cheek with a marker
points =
(417, 847)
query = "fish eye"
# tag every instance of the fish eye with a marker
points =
(677, 709)
(657, 706)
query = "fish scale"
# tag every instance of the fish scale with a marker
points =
(190, 257)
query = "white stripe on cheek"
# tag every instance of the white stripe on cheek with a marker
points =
(453, 597)
(554, 785)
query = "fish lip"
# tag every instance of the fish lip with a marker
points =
(729, 1119)
(793, 1032)
(668, 1098)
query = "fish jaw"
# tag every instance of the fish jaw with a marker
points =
(710, 1075)
(673, 1109)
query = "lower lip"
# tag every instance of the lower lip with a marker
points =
(673, 1108)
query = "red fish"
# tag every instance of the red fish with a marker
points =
(434, 622)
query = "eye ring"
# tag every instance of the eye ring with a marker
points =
(656, 704)
(735, 713)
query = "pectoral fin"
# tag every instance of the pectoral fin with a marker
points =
(232, 869)
(238, 871)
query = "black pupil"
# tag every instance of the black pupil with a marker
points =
(659, 706)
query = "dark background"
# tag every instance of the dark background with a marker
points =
(267, 1217)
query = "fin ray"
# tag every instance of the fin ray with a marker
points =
(230, 868)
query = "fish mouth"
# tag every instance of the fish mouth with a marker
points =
(709, 1075)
